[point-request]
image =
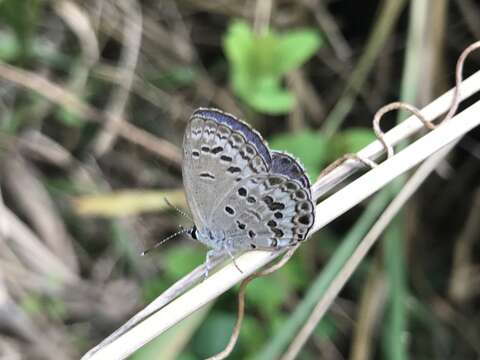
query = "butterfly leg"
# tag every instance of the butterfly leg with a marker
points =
(208, 261)
(233, 259)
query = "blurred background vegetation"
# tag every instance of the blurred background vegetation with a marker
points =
(94, 98)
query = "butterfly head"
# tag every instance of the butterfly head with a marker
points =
(193, 232)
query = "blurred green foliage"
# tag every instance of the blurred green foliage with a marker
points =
(174, 79)
(21, 17)
(350, 141)
(9, 46)
(265, 298)
(316, 152)
(258, 64)
(181, 260)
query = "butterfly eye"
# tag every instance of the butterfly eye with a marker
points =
(193, 232)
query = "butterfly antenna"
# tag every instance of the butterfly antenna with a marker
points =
(183, 213)
(180, 232)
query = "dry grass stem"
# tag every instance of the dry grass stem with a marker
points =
(132, 38)
(241, 302)
(369, 240)
(57, 94)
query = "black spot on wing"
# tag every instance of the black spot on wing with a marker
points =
(268, 200)
(241, 225)
(271, 223)
(304, 219)
(234, 169)
(278, 233)
(242, 191)
(216, 149)
(273, 205)
(207, 175)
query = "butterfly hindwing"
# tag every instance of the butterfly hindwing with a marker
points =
(266, 211)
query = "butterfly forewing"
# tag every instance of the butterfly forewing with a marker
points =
(216, 157)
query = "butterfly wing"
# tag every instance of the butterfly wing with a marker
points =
(219, 152)
(285, 164)
(265, 211)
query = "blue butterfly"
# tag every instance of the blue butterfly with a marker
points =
(242, 195)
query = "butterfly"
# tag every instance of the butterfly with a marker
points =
(241, 194)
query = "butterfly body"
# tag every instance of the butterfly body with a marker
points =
(242, 196)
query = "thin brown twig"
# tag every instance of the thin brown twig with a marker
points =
(404, 106)
(330, 28)
(355, 157)
(4, 228)
(175, 106)
(263, 13)
(379, 115)
(369, 312)
(367, 242)
(37, 206)
(132, 38)
(241, 302)
(167, 296)
(80, 25)
(62, 97)
(360, 252)
(33, 251)
(415, 111)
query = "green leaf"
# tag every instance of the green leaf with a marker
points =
(296, 47)
(69, 118)
(308, 146)
(151, 288)
(237, 43)
(174, 78)
(214, 333)
(258, 64)
(238, 47)
(32, 304)
(22, 17)
(273, 102)
(268, 294)
(9, 47)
